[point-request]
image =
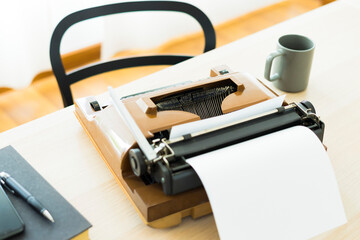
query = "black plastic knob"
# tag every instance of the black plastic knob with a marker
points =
(137, 162)
(308, 105)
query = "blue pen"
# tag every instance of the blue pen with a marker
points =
(13, 186)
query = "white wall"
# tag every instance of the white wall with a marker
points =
(155, 28)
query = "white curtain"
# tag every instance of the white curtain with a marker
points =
(155, 28)
(25, 32)
(26, 28)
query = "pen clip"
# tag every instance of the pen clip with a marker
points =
(6, 186)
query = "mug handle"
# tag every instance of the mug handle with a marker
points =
(269, 61)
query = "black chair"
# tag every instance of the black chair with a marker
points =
(64, 79)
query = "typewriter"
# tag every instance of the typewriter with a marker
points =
(132, 134)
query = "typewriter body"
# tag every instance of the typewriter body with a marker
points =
(164, 188)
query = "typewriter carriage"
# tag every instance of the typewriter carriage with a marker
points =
(176, 176)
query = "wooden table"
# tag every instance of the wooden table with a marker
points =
(58, 147)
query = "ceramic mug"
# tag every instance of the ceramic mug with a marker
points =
(291, 69)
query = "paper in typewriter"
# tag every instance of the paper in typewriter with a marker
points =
(279, 186)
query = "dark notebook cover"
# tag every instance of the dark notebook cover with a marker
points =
(68, 221)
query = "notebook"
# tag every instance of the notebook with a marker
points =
(69, 223)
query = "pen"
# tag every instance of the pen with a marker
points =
(13, 186)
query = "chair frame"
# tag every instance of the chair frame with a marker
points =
(66, 79)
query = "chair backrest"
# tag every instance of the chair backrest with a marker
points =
(64, 79)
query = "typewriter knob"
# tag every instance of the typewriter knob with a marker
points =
(308, 105)
(137, 162)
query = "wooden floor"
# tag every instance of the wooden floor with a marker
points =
(43, 97)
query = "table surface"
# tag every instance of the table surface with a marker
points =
(58, 147)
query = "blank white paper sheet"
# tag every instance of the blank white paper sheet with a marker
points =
(278, 186)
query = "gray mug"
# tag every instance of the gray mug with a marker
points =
(292, 68)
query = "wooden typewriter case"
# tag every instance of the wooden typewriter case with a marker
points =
(106, 130)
